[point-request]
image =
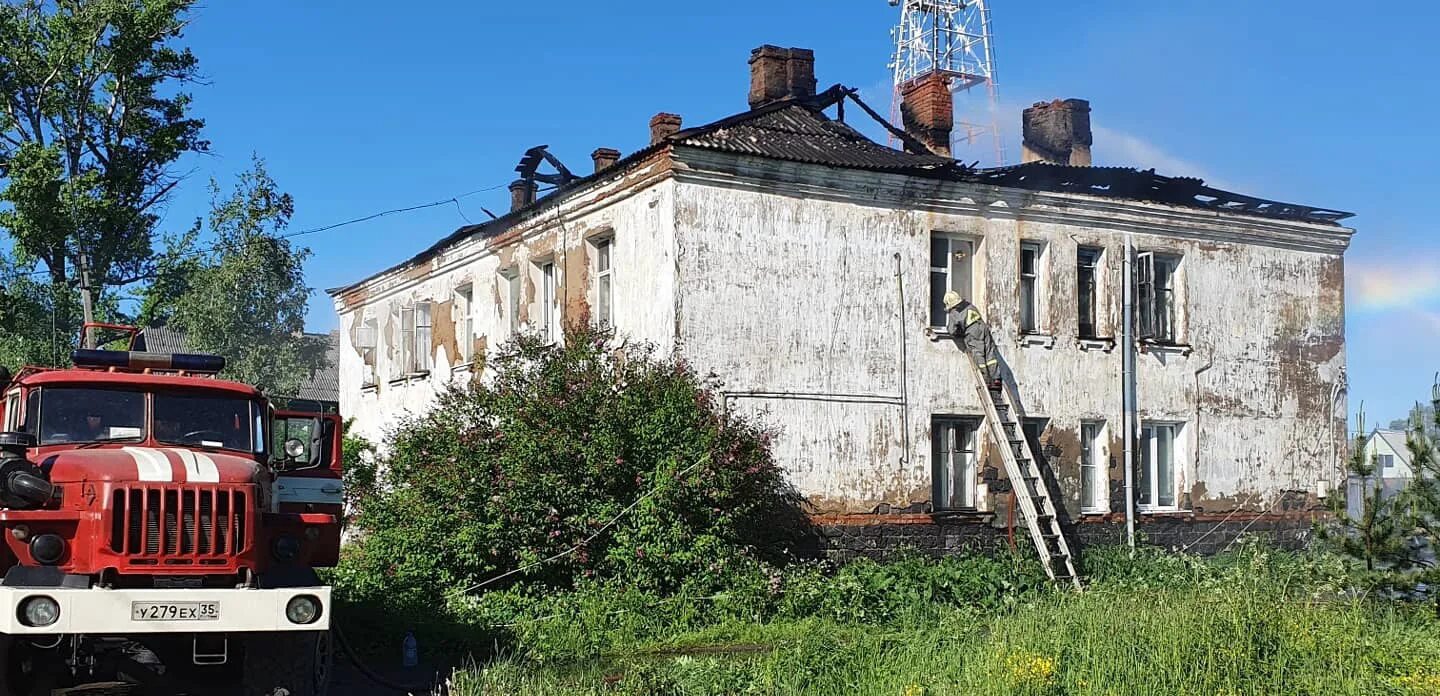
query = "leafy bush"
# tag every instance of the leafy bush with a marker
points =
(519, 469)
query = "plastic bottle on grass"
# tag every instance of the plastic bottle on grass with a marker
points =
(412, 650)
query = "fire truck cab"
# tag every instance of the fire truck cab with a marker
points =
(161, 526)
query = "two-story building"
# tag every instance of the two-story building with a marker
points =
(804, 264)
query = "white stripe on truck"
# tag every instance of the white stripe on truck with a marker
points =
(150, 464)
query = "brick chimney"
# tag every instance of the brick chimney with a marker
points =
(1057, 132)
(662, 126)
(605, 158)
(780, 73)
(927, 110)
(522, 193)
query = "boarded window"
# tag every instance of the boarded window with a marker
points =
(953, 475)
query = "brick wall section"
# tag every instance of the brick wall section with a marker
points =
(847, 537)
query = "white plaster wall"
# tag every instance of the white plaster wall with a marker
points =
(798, 294)
(640, 222)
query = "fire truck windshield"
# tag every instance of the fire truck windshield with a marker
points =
(62, 415)
(82, 414)
(208, 420)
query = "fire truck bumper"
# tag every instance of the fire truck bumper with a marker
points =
(121, 612)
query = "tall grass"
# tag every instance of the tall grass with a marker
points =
(1255, 622)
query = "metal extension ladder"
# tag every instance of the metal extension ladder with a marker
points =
(1022, 467)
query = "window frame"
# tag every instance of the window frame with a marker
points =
(466, 325)
(604, 285)
(936, 308)
(943, 475)
(1160, 315)
(1148, 479)
(415, 340)
(12, 410)
(547, 299)
(1094, 467)
(369, 354)
(1384, 462)
(1031, 283)
(1092, 295)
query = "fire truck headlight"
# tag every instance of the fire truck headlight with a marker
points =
(47, 549)
(285, 548)
(39, 611)
(303, 609)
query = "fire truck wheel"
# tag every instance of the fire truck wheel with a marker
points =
(299, 663)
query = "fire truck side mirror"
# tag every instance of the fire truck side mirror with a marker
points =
(304, 441)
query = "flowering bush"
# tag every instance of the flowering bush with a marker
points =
(527, 467)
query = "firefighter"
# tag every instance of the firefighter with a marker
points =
(970, 333)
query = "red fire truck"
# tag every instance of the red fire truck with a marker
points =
(161, 527)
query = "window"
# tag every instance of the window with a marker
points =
(549, 319)
(366, 339)
(1385, 462)
(950, 269)
(12, 411)
(415, 338)
(1030, 287)
(208, 421)
(1158, 482)
(1156, 283)
(79, 414)
(603, 282)
(1094, 482)
(953, 478)
(1087, 290)
(511, 283)
(465, 325)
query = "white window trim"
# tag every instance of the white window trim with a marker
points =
(1179, 455)
(941, 471)
(547, 299)
(1038, 294)
(369, 354)
(1097, 458)
(513, 287)
(1098, 305)
(605, 243)
(949, 271)
(464, 324)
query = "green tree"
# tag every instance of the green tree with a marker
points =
(1421, 497)
(243, 294)
(93, 118)
(1376, 536)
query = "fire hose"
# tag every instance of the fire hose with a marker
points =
(438, 689)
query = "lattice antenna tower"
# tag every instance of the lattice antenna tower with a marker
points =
(951, 37)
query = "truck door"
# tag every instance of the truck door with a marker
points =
(308, 461)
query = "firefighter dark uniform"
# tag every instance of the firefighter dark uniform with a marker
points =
(969, 331)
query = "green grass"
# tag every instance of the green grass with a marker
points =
(1104, 641)
(1253, 621)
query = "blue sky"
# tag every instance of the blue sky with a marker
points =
(364, 106)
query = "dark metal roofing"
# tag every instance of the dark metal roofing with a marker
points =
(1146, 185)
(323, 385)
(799, 132)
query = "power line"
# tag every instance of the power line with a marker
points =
(455, 200)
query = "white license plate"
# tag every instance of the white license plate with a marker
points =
(175, 611)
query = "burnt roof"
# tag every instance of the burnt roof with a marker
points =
(1146, 185)
(799, 130)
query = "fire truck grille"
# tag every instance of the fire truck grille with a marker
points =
(178, 525)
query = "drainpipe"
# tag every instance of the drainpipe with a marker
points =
(1128, 390)
(904, 365)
